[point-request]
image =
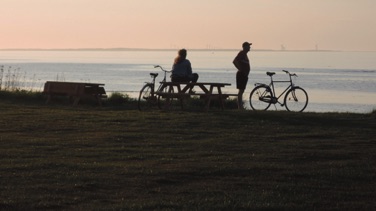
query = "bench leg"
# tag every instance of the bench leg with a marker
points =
(99, 99)
(76, 100)
(48, 99)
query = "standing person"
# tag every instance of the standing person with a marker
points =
(182, 69)
(242, 63)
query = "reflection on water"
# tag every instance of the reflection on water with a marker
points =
(340, 107)
(337, 97)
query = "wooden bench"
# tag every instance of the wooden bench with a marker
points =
(74, 90)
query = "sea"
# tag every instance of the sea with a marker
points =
(335, 81)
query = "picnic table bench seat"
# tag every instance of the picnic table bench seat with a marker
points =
(207, 90)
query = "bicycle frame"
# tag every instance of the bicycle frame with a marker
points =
(147, 95)
(263, 95)
(154, 76)
(275, 99)
(164, 77)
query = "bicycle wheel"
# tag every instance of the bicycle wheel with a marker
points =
(296, 99)
(260, 98)
(146, 100)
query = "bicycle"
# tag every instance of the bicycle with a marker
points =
(147, 97)
(263, 95)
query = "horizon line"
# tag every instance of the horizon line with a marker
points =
(168, 49)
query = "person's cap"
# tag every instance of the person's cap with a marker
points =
(246, 44)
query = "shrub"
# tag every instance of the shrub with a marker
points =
(117, 98)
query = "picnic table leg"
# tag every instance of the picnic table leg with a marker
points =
(181, 103)
(168, 100)
(209, 98)
(180, 98)
(220, 98)
(48, 98)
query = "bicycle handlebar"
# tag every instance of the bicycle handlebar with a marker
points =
(291, 74)
(156, 66)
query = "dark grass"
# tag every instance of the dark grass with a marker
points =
(100, 158)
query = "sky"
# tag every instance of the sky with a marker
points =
(348, 25)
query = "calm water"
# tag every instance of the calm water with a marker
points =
(335, 81)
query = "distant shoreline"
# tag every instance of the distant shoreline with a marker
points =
(161, 49)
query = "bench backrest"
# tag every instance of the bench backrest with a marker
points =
(63, 88)
(72, 88)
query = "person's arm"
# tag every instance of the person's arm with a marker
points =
(239, 61)
(173, 70)
(236, 63)
(189, 68)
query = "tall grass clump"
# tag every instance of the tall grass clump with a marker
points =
(13, 79)
(13, 85)
(10, 78)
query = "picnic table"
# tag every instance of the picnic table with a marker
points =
(207, 90)
(74, 90)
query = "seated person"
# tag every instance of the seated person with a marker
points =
(182, 70)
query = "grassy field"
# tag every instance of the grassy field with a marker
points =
(91, 158)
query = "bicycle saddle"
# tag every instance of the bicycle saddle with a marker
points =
(154, 74)
(270, 73)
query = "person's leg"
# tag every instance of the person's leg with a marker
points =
(241, 83)
(193, 78)
(179, 79)
(240, 99)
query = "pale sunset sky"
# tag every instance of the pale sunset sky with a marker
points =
(348, 25)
